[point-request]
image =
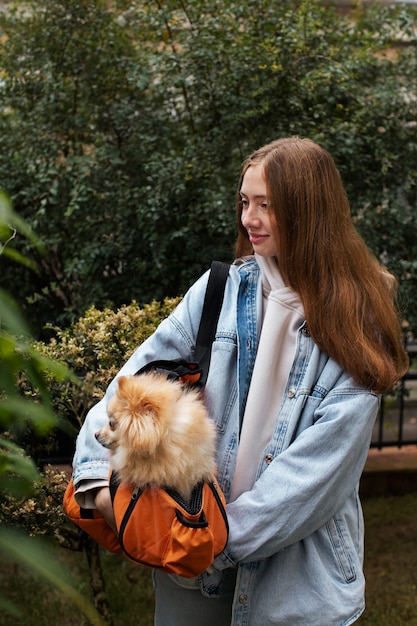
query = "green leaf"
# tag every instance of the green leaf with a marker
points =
(17, 471)
(35, 555)
(8, 607)
(11, 317)
(15, 409)
(9, 217)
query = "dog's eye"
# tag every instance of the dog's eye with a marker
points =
(112, 424)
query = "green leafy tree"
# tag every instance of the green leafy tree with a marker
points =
(17, 470)
(19, 477)
(132, 119)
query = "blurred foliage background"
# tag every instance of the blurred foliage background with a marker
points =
(123, 126)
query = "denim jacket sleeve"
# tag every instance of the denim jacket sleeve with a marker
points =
(308, 482)
(174, 338)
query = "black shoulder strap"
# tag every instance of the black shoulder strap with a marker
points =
(196, 373)
(213, 301)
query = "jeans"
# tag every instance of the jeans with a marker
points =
(181, 606)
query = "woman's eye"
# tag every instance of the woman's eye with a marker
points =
(243, 204)
(264, 206)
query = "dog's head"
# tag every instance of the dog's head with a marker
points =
(138, 414)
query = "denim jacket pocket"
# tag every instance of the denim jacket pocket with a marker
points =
(221, 398)
(339, 542)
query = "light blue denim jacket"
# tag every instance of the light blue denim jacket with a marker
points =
(296, 537)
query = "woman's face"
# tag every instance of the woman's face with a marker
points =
(257, 218)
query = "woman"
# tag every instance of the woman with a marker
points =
(307, 339)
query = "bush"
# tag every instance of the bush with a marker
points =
(94, 348)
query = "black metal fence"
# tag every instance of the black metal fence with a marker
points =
(396, 424)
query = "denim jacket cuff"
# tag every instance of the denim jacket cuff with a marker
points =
(223, 561)
(211, 579)
(91, 470)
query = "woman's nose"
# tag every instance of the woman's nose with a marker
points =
(250, 216)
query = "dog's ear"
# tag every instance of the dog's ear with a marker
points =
(125, 396)
(122, 381)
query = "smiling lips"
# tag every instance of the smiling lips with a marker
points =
(256, 238)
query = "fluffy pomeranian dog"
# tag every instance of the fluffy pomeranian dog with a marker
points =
(159, 434)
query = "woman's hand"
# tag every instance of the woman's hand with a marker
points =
(103, 504)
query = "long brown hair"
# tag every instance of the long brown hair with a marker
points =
(348, 297)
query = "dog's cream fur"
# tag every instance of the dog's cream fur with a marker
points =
(159, 434)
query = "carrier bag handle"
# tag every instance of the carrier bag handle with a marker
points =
(213, 301)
